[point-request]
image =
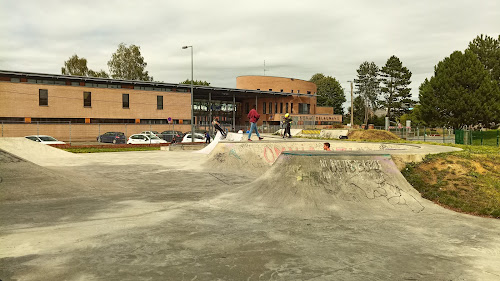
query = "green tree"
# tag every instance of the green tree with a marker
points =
(195, 82)
(78, 66)
(101, 74)
(75, 66)
(127, 63)
(487, 50)
(368, 87)
(395, 81)
(461, 92)
(329, 92)
(415, 115)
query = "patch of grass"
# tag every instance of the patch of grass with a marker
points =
(118, 149)
(466, 181)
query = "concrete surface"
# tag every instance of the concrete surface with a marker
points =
(166, 215)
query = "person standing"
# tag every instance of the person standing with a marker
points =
(207, 137)
(253, 116)
(217, 127)
(287, 123)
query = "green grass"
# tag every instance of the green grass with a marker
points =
(470, 185)
(98, 150)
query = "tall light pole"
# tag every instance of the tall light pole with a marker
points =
(192, 94)
(352, 107)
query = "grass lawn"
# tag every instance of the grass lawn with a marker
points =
(466, 181)
(111, 149)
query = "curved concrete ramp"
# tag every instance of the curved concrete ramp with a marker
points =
(257, 157)
(308, 182)
(40, 154)
(218, 137)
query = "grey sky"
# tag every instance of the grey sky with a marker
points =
(233, 38)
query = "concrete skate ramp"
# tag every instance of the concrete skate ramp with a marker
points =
(257, 157)
(40, 154)
(218, 137)
(350, 183)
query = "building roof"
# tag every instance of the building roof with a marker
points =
(200, 92)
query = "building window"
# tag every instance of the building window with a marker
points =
(308, 92)
(281, 90)
(270, 90)
(159, 102)
(43, 97)
(291, 107)
(125, 101)
(258, 89)
(292, 91)
(264, 108)
(286, 107)
(270, 108)
(15, 80)
(247, 107)
(87, 99)
(275, 107)
(298, 91)
(281, 107)
(304, 108)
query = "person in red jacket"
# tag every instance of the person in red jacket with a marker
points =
(254, 116)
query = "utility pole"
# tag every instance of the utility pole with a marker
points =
(352, 107)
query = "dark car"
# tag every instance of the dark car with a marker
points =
(112, 137)
(169, 135)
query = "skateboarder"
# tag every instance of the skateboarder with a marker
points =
(253, 116)
(217, 127)
(287, 123)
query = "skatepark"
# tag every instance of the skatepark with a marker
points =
(276, 209)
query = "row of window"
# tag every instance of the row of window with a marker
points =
(97, 85)
(304, 108)
(43, 99)
(298, 91)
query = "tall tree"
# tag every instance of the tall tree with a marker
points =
(487, 50)
(368, 87)
(461, 92)
(395, 80)
(329, 91)
(127, 63)
(195, 82)
(101, 73)
(75, 66)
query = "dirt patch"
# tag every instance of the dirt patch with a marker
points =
(371, 135)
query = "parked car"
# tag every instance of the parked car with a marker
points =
(169, 135)
(197, 137)
(45, 139)
(144, 139)
(112, 137)
(151, 133)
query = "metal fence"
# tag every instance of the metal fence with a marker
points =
(426, 134)
(469, 137)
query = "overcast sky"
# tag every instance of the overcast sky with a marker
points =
(232, 38)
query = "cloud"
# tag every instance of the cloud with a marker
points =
(233, 38)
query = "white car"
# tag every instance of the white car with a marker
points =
(197, 137)
(150, 133)
(45, 139)
(144, 139)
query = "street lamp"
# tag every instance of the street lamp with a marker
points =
(352, 107)
(192, 94)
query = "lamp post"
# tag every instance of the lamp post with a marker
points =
(192, 94)
(352, 107)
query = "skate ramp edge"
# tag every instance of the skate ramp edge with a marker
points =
(307, 182)
(35, 152)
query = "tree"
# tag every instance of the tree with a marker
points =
(487, 49)
(415, 116)
(75, 66)
(195, 82)
(461, 92)
(368, 87)
(395, 80)
(128, 64)
(329, 91)
(101, 74)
